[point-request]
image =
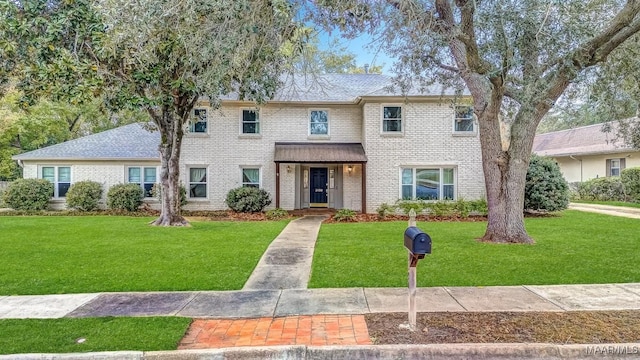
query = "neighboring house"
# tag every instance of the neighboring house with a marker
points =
(587, 152)
(337, 141)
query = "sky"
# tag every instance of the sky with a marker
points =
(362, 47)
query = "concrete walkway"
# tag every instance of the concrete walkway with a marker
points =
(622, 211)
(287, 262)
(290, 302)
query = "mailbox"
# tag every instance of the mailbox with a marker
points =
(417, 241)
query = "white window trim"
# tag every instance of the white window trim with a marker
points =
(192, 118)
(55, 177)
(242, 167)
(440, 186)
(319, 136)
(402, 120)
(616, 167)
(142, 182)
(473, 121)
(259, 122)
(188, 182)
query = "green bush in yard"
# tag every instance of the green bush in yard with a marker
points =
(276, 214)
(344, 215)
(84, 195)
(125, 197)
(546, 189)
(28, 194)
(631, 180)
(602, 189)
(248, 199)
(156, 192)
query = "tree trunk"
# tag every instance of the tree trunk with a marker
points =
(171, 139)
(505, 165)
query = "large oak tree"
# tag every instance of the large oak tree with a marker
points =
(515, 57)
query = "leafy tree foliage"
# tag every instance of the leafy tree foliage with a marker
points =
(516, 58)
(546, 189)
(162, 55)
(47, 123)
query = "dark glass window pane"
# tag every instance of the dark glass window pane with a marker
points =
(198, 191)
(147, 190)
(250, 128)
(63, 188)
(392, 125)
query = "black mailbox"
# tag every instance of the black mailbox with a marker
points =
(417, 241)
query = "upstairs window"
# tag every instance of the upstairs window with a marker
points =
(251, 177)
(319, 122)
(250, 122)
(143, 176)
(198, 122)
(392, 119)
(60, 177)
(463, 121)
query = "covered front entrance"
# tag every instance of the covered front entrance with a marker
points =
(320, 175)
(319, 187)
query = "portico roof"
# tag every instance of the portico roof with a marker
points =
(319, 153)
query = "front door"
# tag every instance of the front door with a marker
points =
(318, 187)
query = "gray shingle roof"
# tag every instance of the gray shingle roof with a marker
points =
(132, 141)
(583, 140)
(342, 88)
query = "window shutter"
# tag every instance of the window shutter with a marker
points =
(622, 164)
(608, 167)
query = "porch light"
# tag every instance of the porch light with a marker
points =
(289, 169)
(349, 169)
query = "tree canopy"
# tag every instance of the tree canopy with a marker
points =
(515, 58)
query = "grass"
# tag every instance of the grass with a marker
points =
(575, 248)
(99, 334)
(612, 203)
(60, 254)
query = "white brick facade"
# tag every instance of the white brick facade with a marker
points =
(427, 140)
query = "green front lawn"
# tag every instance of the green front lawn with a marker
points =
(575, 248)
(66, 254)
(91, 334)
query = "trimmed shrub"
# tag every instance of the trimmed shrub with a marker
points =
(125, 197)
(344, 215)
(546, 189)
(28, 194)
(602, 189)
(276, 214)
(631, 180)
(248, 199)
(385, 210)
(406, 205)
(479, 207)
(84, 195)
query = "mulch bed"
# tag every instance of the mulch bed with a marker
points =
(575, 327)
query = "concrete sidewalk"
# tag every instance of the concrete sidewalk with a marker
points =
(629, 212)
(278, 303)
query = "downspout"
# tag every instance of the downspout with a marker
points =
(574, 158)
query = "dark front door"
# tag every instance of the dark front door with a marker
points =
(318, 186)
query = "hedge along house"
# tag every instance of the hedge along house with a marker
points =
(586, 152)
(334, 141)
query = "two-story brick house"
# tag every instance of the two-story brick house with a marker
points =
(337, 141)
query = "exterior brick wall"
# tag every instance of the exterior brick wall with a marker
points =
(427, 140)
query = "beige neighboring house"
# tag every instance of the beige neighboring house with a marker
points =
(335, 141)
(587, 152)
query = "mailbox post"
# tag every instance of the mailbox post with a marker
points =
(418, 244)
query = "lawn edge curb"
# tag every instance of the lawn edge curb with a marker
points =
(404, 351)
